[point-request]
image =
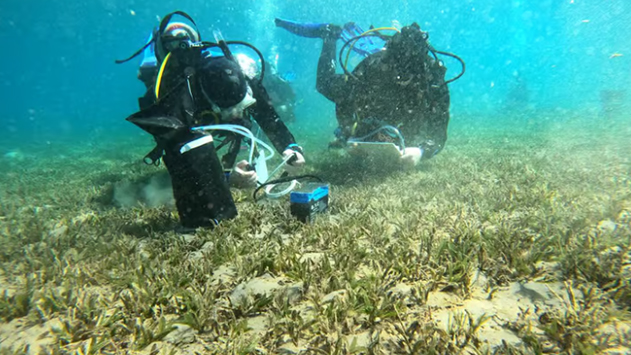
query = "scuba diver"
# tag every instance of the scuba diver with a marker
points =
(279, 89)
(154, 54)
(156, 49)
(281, 92)
(200, 87)
(397, 90)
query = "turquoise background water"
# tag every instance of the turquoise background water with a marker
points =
(58, 80)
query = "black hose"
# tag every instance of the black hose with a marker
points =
(207, 45)
(431, 49)
(455, 57)
(228, 53)
(137, 53)
(257, 52)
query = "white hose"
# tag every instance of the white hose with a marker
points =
(247, 133)
(242, 131)
(196, 143)
(269, 193)
(382, 128)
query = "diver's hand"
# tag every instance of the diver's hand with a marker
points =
(242, 176)
(296, 161)
(411, 156)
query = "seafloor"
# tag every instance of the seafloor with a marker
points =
(515, 239)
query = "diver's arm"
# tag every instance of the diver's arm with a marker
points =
(265, 115)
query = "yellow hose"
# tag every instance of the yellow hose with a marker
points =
(381, 29)
(159, 79)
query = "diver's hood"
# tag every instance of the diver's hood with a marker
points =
(236, 111)
(410, 42)
(223, 82)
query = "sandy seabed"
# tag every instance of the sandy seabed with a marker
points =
(509, 241)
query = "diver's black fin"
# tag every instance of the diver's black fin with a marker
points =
(154, 121)
(308, 30)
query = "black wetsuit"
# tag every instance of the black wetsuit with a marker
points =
(408, 93)
(200, 188)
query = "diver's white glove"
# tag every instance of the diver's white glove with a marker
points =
(242, 176)
(294, 164)
(411, 156)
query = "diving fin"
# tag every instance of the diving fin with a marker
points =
(309, 29)
(154, 121)
(365, 45)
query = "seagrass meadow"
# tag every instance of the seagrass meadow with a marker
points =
(514, 240)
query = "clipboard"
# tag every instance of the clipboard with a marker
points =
(378, 152)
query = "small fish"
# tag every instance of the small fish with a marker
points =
(616, 55)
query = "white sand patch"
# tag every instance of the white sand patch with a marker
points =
(17, 334)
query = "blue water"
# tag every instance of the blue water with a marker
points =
(58, 80)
